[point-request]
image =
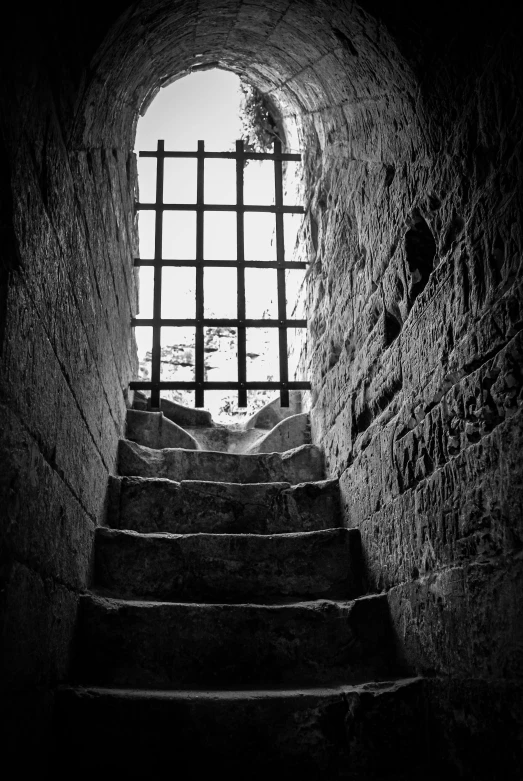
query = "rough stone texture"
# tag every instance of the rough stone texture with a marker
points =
(464, 617)
(295, 466)
(66, 357)
(169, 645)
(153, 505)
(51, 532)
(415, 358)
(36, 638)
(46, 543)
(411, 121)
(154, 430)
(453, 504)
(229, 567)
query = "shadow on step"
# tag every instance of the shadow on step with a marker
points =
(430, 729)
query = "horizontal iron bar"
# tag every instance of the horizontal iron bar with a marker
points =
(219, 207)
(147, 385)
(223, 322)
(224, 155)
(219, 263)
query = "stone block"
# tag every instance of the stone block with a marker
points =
(172, 645)
(159, 505)
(185, 416)
(154, 430)
(229, 567)
(295, 466)
(42, 395)
(469, 508)
(46, 525)
(464, 621)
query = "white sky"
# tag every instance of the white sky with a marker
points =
(204, 106)
(200, 106)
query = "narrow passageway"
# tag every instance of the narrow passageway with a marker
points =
(409, 121)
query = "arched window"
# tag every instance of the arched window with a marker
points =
(217, 232)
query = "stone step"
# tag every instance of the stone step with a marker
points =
(176, 645)
(225, 439)
(371, 731)
(153, 429)
(294, 466)
(151, 505)
(229, 567)
(185, 416)
(272, 413)
(289, 433)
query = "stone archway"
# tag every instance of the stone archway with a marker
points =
(339, 83)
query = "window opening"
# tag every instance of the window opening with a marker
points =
(241, 325)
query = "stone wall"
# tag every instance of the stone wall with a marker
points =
(66, 357)
(412, 129)
(415, 347)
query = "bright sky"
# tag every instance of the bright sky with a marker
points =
(200, 106)
(204, 106)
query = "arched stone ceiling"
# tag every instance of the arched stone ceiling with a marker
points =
(330, 63)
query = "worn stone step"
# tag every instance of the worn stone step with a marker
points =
(289, 433)
(173, 645)
(294, 466)
(151, 505)
(229, 567)
(178, 413)
(272, 413)
(371, 731)
(226, 439)
(153, 429)
(185, 416)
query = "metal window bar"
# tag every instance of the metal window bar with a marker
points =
(241, 323)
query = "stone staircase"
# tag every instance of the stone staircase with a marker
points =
(227, 631)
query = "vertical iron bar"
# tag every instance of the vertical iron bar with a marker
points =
(156, 355)
(280, 272)
(199, 363)
(240, 257)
